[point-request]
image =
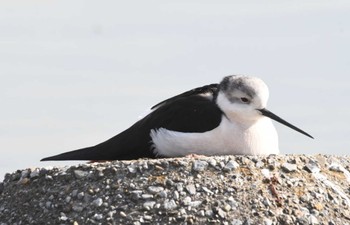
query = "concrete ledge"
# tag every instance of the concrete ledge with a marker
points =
(284, 189)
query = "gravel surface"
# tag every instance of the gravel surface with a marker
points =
(237, 190)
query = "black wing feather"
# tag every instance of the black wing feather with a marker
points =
(211, 89)
(187, 112)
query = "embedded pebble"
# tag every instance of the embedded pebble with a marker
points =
(81, 195)
(147, 196)
(195, 203)
(236, 222)
(149, 204)
(191, 189)
(199, 165)
(313, 220)
(231, 165)
(312, 167)
(187, 200)
(176, 195)
(267, 221)
(35, 173)
(155, 189)
(80, 174)
(132, 168)
(98, 216)
(169, 205)
(78, 208)
(288, 167)
(233, 190)
(221, 213)
(97, 202)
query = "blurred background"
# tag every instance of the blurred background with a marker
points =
(75, 73)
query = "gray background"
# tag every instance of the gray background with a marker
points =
(75, 73)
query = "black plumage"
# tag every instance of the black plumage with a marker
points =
(191, 111)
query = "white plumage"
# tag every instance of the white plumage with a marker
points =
(243, 129)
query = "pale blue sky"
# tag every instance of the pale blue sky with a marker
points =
(74, 73)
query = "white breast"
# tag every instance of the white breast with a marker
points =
(228, 138)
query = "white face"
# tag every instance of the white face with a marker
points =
(241, 96)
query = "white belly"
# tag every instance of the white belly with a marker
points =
(229, 138)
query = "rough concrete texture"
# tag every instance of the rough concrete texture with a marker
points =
(284, 189)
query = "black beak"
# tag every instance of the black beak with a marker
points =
(269, 114)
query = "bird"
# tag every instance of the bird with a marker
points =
(226, 118)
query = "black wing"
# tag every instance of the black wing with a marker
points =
(207, 89)
(187, 112)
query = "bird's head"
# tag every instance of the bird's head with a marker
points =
(244, 98)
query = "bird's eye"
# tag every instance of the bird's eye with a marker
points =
(245, 100)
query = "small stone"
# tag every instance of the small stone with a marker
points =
(318, 206)
(231, 165)
(170, 205)
(302, 221)
(122, 214)
(81, 195)
(200, 165)
(24, 181)
(313, 220)
(48, 204)
(155, 189)
(209, 213)
(77, 208)
(68, 198)
(266, 173)
(35, 173)
(25, 173)
(266, 202)
(232, 202)
(80, 174)
(98, 216)
(63, 217)
(195, 203)
(259, 164)
(147, 196)
(236, 222)
(271, 213)
(207, 190)
(187, 200)
(132, 168)
(149, 205)
(91, 191)
(227, 207)
(221, 213)
(179, 187)
(285, 219)
(163, 194)
(148, 217)
(191, 189)
(267, 221)
(176, 195)
(212, 162)
(111, 213)
(201, 213)
(48, 177)
(312, 167)
(75, 223)
(74, 193)
(136, 194)
(97, 202)
(288, 167)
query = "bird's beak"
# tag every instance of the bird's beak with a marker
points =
(269, 114)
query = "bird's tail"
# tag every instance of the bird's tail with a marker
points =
(88, 153)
